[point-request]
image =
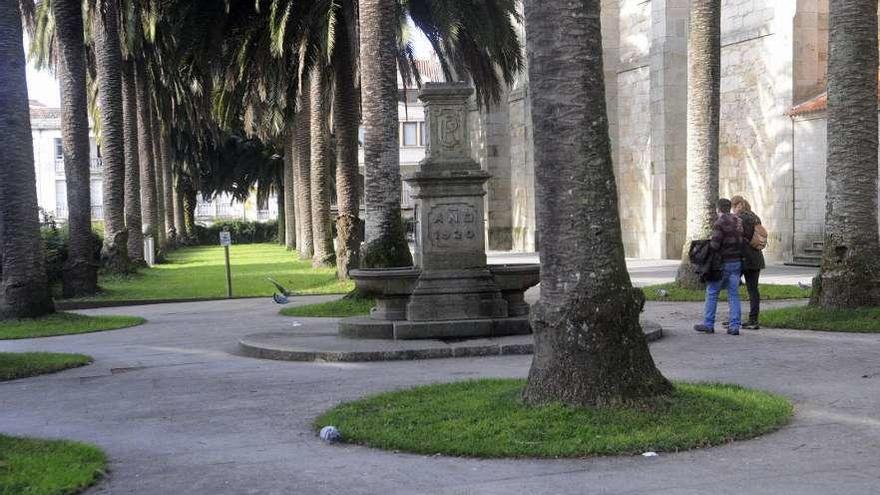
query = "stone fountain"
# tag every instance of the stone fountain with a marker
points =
(451, 292)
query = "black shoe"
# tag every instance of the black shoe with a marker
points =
(733, 331)
(703, 328)
(752, 325)
(725, 323)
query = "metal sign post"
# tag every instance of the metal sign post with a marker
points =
(226, 241)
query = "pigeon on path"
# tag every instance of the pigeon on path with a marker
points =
(279, 287)
(280, 298)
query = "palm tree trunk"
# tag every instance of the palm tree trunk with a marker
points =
(849, 276)
(168, 188)
(108, 60)
(345, 122)
(303, 159)
(589, 346)
(322, 233)
(189, 207)
(24, 291)
(703, 124)
(179, 223)
(161, 239)
(386, 242)
(149, 212)
(280, 201)
(132, 167)
(80, 270)
(288, 228)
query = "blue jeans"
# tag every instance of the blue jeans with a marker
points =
(730, 281)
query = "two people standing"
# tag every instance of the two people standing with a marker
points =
(731, 236)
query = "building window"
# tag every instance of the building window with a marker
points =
(61, 198)
(361, 136)
(410, 134)
(423, 136)
(59, 150)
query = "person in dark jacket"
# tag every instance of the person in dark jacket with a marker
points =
(753, 259)
(727, 235)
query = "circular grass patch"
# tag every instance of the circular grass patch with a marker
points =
(671, 292)
(339, 308)
(14, 365)
(64, 324)
(862, 320)
(486, 418)
(48, 467)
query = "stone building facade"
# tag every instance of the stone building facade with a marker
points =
(774, 56)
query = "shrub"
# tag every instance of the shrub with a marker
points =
(242, 232)
(55, 248)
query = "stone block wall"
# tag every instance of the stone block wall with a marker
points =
(809, 181)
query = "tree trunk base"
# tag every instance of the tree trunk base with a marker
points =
(347, 251)
(847, 287)
(114, 254)
(79, 279)
(686, 277)
(22, 300)
(592, 353)
(387, 252)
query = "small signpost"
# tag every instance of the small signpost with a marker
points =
(226, 241)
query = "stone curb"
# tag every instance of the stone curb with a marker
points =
(74, 305)
(256, 346)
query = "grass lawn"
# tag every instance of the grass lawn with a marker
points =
(48, 467)
(864, 320)
(64, 324)
(14, 365)
(199, 272)
(340, 308)
(768, 292)
(485, 418)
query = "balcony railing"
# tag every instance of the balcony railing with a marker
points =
(96, 165)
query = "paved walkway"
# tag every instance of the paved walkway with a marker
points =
(178, 413)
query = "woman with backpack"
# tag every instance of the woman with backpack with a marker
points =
(754, 240)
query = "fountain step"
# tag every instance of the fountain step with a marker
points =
(362, 327)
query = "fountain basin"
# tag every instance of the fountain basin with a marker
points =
(390, 287)
(514, 280)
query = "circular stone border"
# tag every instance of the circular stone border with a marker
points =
(330, 347)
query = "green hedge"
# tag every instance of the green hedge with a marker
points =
(242, 232)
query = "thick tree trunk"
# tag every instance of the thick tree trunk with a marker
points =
(189, 208)
(303, 159)
(703, 124)
(24, 291)
(345, 122)
(322, 232)
(108, 60)
(168, 188)
(288, 228)
(133, 218)
(849, 276)
(386, 241)
(80, 270)
(179, 223)
(280, 201)
(589, 346)
(161, 239)
(149, 213)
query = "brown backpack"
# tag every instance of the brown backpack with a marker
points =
(759, 238)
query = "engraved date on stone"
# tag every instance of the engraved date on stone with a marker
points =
(453, 225)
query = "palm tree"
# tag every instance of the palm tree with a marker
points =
(161, 239)
(168, 189)
(179, 222)
(345, 123)
(386, 244)
(133, 219)
(849, 276)
(286, 198)
(80, 270)
(149, 211)
(303, 179)
(24, 290)
(589, 346)
(108, 58)
(322, 233)
(703, 124)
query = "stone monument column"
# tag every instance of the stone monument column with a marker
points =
(455, 282)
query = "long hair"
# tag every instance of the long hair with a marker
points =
(739, 200)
